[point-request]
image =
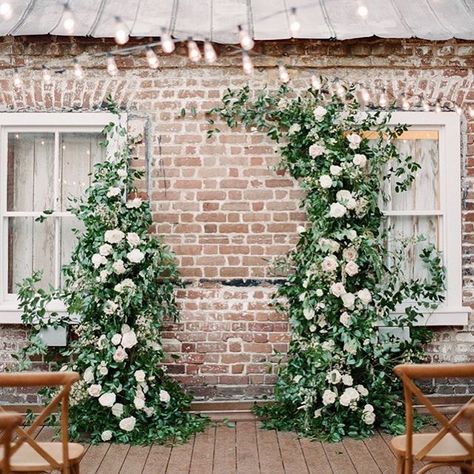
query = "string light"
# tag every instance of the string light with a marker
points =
(46, 75)
(426, 105)
(68, 19)
(247, 63)
(340, 91)
(167, 44)
(121, 31)
(383, 99)
(294, 23)
(365, 96)
(112, 68)
(17, 80)
(470, 111)
(193, 51)
(210, 55)
(405, 103)
(78, 71)
(315, 82)
(438, 108)
(246, 41)
(6, 10)
(458, 109)
(152, 58)
(363, 11)
(283, 73)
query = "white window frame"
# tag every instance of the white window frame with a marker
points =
(61, 122)
(451, 312)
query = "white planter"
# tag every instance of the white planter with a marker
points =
(54, 337)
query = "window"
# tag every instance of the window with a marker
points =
(432, 206)
(45, 160)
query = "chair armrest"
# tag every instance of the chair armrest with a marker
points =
(418, 371)
(10, 419)
(37, 379)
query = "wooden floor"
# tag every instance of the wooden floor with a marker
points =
(243, 449)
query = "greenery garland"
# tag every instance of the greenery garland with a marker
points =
(121, 281)
(338, 377)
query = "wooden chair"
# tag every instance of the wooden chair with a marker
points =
(8, 422)
(449, 446)
(28, 455)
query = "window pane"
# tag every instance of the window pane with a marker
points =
(407, 227)
(422, 145)
(78, 152)
(30, 171)
(30, 248)
(68, 239)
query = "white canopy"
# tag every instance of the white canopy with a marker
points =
(265, 19)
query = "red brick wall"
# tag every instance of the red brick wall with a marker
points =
(218, 202)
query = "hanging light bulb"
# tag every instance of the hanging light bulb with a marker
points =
(17, 80)
(365, 96)
(315, 82)
(438, 108)
(247, 64)
(46, 75)
(121, 31)
(458, 109)
(210, 55)
(167, 44)
(68, 19)
(112, 68)
(283, 73)
(383, 99)
(246, 41)
(340, 91)
(294, 23)
(405, 103)
(152, 58)
(78, 71)
(193, 51)
(362, 11)
(426, 105)
(470, 111)
(6, 10)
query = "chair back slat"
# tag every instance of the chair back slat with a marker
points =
(8, 422)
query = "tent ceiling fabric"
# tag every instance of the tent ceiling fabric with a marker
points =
(265, 19)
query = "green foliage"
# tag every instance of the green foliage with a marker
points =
(342, 280)
(120, 286)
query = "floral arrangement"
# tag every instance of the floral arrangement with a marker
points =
(121, 281)
(337, 379)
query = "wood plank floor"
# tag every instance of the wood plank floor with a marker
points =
(243, 449)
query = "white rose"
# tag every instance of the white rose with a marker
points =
(117, 410)
(139, 403)
(368, 408)
(354, 141)
(129, 339)
(325, 181)
(350, 395)
(344, 195)
(101, 341)
(116, 339)
(362, 390)
(368, 417)
(119, 267)
(308, 313)
(317, 413)
(337, 289)
(120, 354)
(103, 275)
(149, 411)
(316, 150)
(333, 377)
(329, 244)
(350, 348)
(351, 234)
(319, 292)
(127, 283)
(164, 396)
(328, 346)
(140, 376)
(329, 397)
(128, 424)
(110, 307)
(345, 400)
(114, 236)
(348, 300)
(319, 113)
(295, 128)
(133, 239)
(359, 160)
(351, 268)
(351, 204)
(103, 370)
(134, 203)
(337, 210)
(112, 192)
(122, 172)
(135, 256)
(312, 328)
(345, 319)
(105, 249)
(88, 375)
(335, 170)
(347, 380)
(350, 254)
(106, 435)
(329, 263)
(98, 260)
(94, 390)
(365, 296)
(107, 399)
